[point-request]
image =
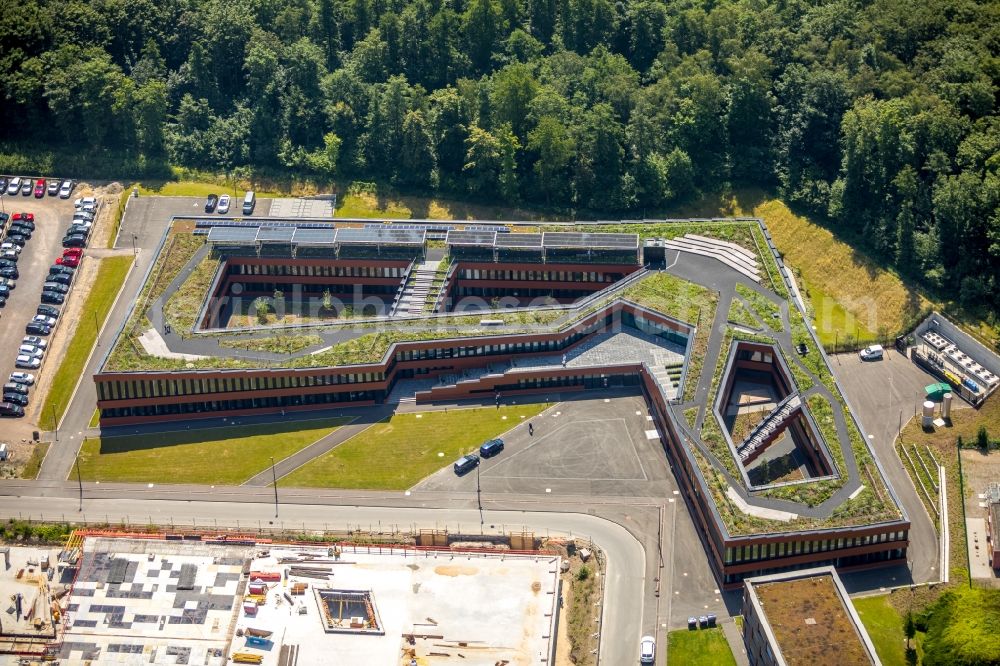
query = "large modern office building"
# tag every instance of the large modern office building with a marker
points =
(283, 316)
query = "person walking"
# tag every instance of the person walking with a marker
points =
(531, 430)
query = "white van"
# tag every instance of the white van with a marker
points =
(249, 202)
(872, 353)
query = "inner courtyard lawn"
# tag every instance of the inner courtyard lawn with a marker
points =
(217, 456)
(397, 453)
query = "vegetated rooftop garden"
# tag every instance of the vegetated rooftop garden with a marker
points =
(664, 293)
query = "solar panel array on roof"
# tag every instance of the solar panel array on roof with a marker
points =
(590, 241)
(442, 228)
(211, 224)
(382, 236)
(519, 240)
(275, 235)
(239, 235)
(501, 228)
(314, 237)
(480, 238)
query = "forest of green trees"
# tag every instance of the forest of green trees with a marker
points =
(880, 117)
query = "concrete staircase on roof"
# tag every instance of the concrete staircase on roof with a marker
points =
(732, 255)
(417, 290)
(772, 425)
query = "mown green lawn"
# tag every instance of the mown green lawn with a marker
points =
(397, 453)
(885, 627)
(217, 456)
(110, 277)
(703, 647)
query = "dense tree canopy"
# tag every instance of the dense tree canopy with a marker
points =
(880, 115)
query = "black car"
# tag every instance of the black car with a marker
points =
(48, 311)
(3, 184)
(7, 262)
(53, 297)
(16, 398)
(211, 203)
(74, 240)
(10, 409)
(52, 286)
(61, 269)
(34, 328)
(9, 272)
(491, 448)
(16, 238)
(23, 222)
(60, 278)
(4, 217)
(3, 301)
(15, 387)
(21, 230)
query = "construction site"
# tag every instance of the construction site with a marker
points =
(195, 599)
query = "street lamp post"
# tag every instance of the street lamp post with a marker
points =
(274, 478)
(135, 252)
(79, 480)
(479, 499)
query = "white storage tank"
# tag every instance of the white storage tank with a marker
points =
(946, 405)
(928, 414)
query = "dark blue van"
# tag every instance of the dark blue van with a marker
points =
(491, 448)
(466, 463)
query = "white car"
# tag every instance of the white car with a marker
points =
(872, 353)
(31, 350)
(14, 186)
(42, 319)
(27, 362)
(65, 189)
(8, 254)
(34, 340)
(22, 378)
(647, 650)
(88, 204)
(11, 246)
(223, 206)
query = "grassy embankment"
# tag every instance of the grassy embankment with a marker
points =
(110, 277)
(400, 451)
(217, 456)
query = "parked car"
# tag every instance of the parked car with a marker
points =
(491, 448)
(8, 254)
(3, 185)
(48, 311)
(86, 203)
(7, 262)
(9, 271)
(53, 297)
(224, 204)
(22, 378)
(4, 290)
(10, 284)
(647, 650)
(872, 353)
(33, 340)
(65, 189)
(23, 230)
(24, 217)
(31, 350)
(39, 188)
(3, 215)
(74, 240)
(14, 185)
(26, 188)
(44, 319)
(26, 362)
(83, 216)
(3, 301)
(76, 251)
(55, 286)
(53, 188)
(16, 398)
(466, 464)
(37, 329)
(69, 262)
(60, 269)
(10, 409)
(211, 203)
(11, 246)
(60, 278)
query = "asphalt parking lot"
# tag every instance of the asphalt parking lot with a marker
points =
(884, 394)
(52, 218)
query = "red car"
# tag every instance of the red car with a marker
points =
(72, 261)
(39, 188)
(72, 252)
(30, 217)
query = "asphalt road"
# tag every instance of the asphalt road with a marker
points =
(624, 583)
(883, 395)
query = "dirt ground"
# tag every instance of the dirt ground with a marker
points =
(18, 432)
